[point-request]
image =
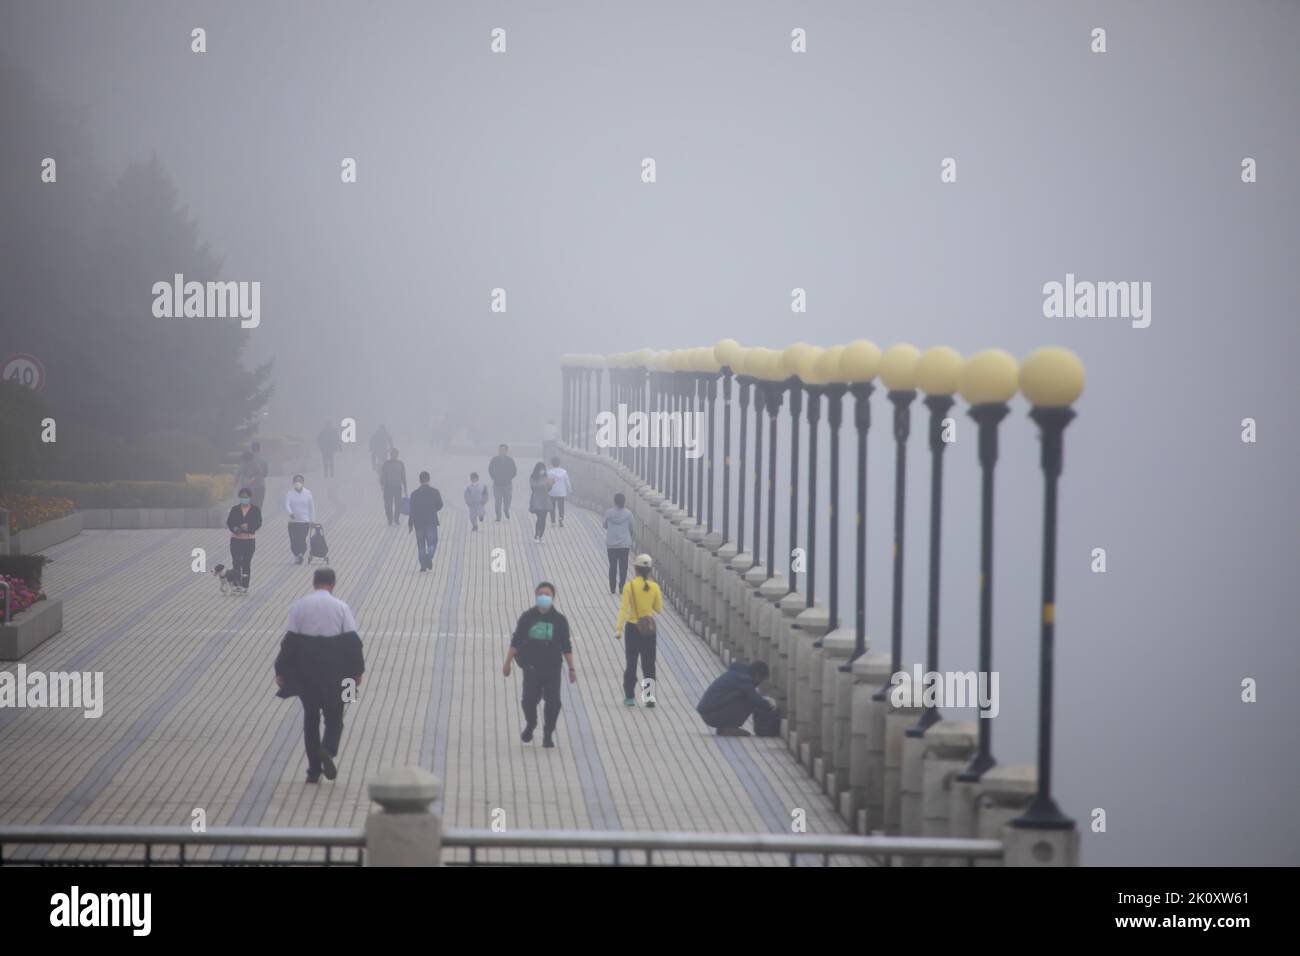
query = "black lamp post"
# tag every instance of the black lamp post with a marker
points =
(743, 382)
(760, 401)
(988, 380)
(772, 398)
(858, 366)
(834, 418)
(938, 373)
(1051, 379)
(897, 371)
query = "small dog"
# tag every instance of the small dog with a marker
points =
(229, 580)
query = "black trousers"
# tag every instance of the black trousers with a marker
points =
(314, 707)
(241, 559)
(638, 647)
(540, 529)
(617, 568)
(393, 502)
(542, 684)
(327, 461)
(298, 537)
(502, 494)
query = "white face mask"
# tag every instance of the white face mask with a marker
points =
(297, 486)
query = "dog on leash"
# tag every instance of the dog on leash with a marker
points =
(229, 580)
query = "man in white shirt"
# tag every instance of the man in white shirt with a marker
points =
(560, 488)
(320, 661)
(302, 515)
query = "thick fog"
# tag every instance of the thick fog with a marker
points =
(522, 171)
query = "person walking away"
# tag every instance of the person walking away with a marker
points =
(263, 473)
(502, 472)
(540, 643)
(243, 521)
(392, 479)
(642, 600)
(321, 662)
(302, 515)
(426, 502)
(560, 488)
(732, 698)
(380, 445)
(327, 440)
(539, 498)
(550, 439)
(476, 495)
(618, 542)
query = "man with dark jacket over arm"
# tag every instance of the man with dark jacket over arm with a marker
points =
(501, 472)
(320, 661)
(730, 699)
(426, 502)
(392, 478)
(541, 642)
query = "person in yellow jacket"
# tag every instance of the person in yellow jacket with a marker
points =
(642, 600)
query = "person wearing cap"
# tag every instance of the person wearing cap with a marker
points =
(642, 600)
(302, 515)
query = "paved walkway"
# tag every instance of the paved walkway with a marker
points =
(191, 721)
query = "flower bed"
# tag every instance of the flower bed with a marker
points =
(197, 491)
(21, 596)
(28, 510)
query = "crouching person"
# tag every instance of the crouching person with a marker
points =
(320, 661)
(734, 697)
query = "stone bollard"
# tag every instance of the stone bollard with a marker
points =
(1024, 846)
(721, 565)
(943, 752)
(865, 809)
(801, 633)
(896, 722)
(405, 831)
(779, 624)
(735, 589)
(836, 692)
(769, 593)
(980, 808)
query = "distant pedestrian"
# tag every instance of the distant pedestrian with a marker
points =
(560, 488)
(733, 697)
(618, 542)
(541, 644)
(392, 479)
(502, 471)
(302, 515)
(243, 521)
(263, 473)
(550, 439)
(327, 440)
(476, 495)
(642, 600)
(426, 502)
(539, 498)
(380, 445)
(320, 662)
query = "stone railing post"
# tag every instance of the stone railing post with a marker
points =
(404, 831)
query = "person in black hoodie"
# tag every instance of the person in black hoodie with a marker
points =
(730, 699)
(243, 521)
(502, 471)
(540, 643)
(321, 662)
(426, 502)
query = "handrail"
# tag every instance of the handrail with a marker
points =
(457, 837)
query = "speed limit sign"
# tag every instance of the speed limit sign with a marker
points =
(25, 370)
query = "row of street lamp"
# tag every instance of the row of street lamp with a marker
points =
(685, 381)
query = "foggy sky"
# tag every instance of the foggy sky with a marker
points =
(818, 171)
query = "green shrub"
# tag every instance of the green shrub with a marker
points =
(22, 453)
(170, 455)
(85, 454)
(125, 494)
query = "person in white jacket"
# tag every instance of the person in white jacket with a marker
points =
(560, 488)
(302, 515)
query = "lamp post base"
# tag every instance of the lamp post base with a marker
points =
(1043, 814)
(978, 767)
(929, 717)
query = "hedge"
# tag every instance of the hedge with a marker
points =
(27, 510)
(26, 567)
(197, 491)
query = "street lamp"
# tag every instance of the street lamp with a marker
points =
(1052, 379)
(898, 372)
(858, 366)
(988, 380)
(938, 373)
(728, 354)
(793, 360)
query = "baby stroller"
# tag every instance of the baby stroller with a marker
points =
(316, 546)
